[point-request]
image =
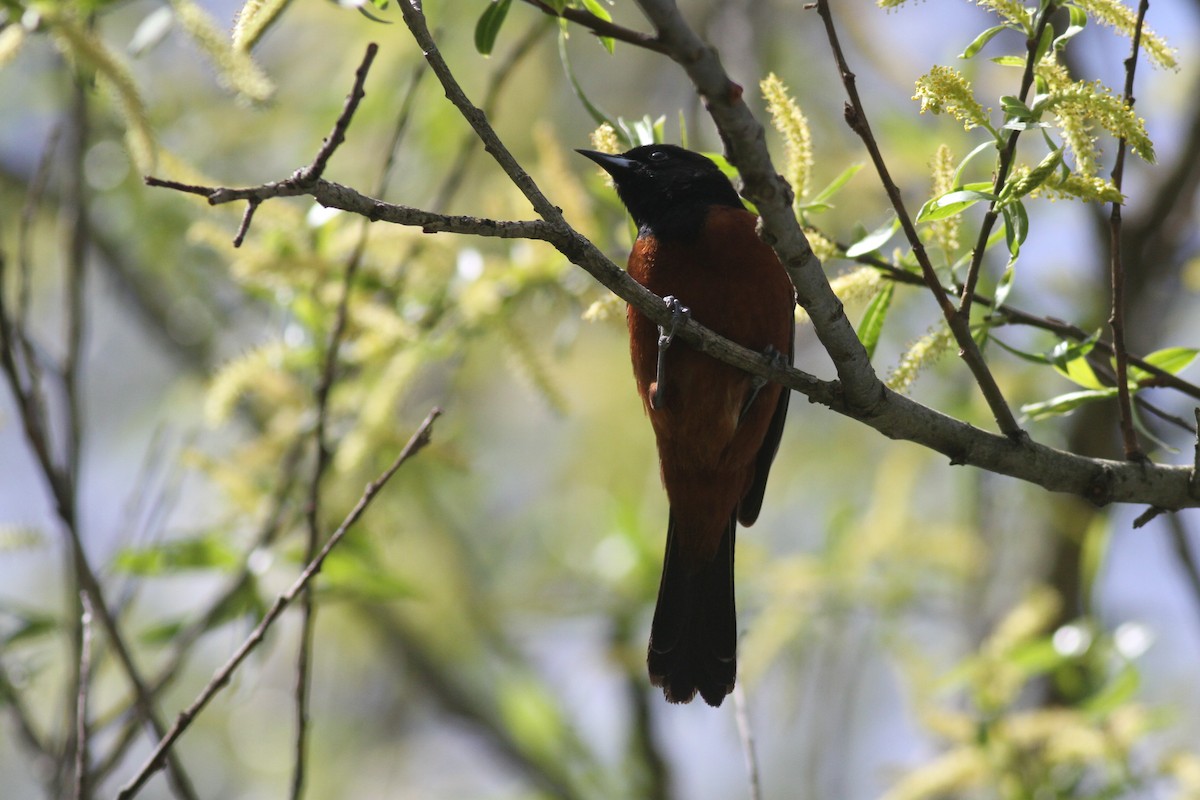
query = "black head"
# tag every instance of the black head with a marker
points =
(667, 189)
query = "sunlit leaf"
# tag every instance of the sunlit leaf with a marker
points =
(874, 240)
(951, 203)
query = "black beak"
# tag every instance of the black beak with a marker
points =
(612, 164)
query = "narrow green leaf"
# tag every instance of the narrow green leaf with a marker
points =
(834, 185)
(1116, 694)
(974, 47)
(962, 165)
(598, 10)
(32, 625)
(487, 28)
(1093, 552)
(1005, 284)
(1078, 21)
(1066, 403)
(874, 240)
(873, 318)
(598, 116)
(1009, 61)
(1171, 359)
(951, 204)
(1044, 44)
(204, 552)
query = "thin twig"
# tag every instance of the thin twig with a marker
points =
(1180, 541)
(746, 736)
(321, 401)
(183, 642)
(1008, 314)
(221, 677)
(959, 324)
(600, 27)
(497, 80)
(1007, 157)
(82, 785)
(1116, 319)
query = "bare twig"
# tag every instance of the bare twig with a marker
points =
(600, 27)
(218, 608)
(959, 324)
(82, 785)
(221, 677)
(497, 80)
(1116, 319)
(1180, 540)
(746, 735)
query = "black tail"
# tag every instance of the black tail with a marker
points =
(693, 639)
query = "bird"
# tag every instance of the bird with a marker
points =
(717, 428)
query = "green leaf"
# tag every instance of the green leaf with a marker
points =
(962, 165)
(873, 318)
(1044, 44)
(980, 40)
(1116, 693)
(1016, 109)
(874, 240)
(32, 625)
(1009, 61)
(1093, 552)
(822, 197)
(1078, 21)
(207, 551)
(1079, 371)
(1035, 657)
(355, 572)
(951, 204)
(1171, 359)
(489, 24)
(599, 11)
(598, 116)
(1066, 403)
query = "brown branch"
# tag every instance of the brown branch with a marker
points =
(221, 677)
(1007, 314)
(958, 323)
(745, 144)
(600, 27)
(497, 80)
(1116, 319)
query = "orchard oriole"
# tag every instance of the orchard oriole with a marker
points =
(717, 428)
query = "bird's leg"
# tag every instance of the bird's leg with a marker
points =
(679, 312)
(757, 382)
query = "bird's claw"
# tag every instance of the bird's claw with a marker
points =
(757, 382)
(679, 312)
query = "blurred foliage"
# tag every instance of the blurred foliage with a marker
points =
(503, 581)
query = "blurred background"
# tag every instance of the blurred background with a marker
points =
(909, 628)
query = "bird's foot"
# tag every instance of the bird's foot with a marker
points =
(757, 382)
(679, 312)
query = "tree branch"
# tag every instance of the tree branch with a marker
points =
(221, 677)
(1116, 319)
(959, 323)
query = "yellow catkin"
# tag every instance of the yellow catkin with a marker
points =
(789, 120)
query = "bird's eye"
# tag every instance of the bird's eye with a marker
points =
(657, 155)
